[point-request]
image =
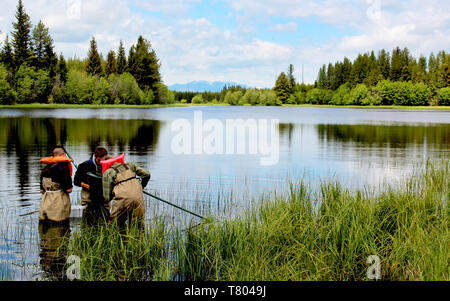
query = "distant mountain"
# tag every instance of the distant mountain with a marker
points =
(202, 86)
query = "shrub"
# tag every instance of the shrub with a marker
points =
(340, 95)
(418, 95)
(444, 97)
(233, 98)
(357, 96)
(252, 97)
(319, 96)
(269, 98)
(32, 85)
(197, 99)
(7, 95)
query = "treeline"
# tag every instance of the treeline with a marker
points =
(31, 71)
(385, 79)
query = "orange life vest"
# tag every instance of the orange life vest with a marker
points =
(108, 163)
(50, 160)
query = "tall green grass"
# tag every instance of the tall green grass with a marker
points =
(302, 235)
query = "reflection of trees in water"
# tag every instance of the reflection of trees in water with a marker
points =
(53, 253)
(400, 136)
(382, 140)
(25, 137)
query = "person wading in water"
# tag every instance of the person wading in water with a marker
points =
(121, 185)
(88, 177)
(56, 185)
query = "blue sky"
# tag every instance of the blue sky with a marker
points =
(245, 41)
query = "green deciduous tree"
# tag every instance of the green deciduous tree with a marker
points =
(7, 94)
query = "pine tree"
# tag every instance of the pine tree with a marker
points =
(396, 65)
(421, 72)
(61, 68)
(111, 66)
(330, 76)
(406, 65)
(291, 78)
(21, 41)
(41, 39)
(50, 60)
(282, 87)
(322, 78)
(121, 59)
(346, 70)
(384, 63)
(94, 63)
(144, 65)
(7, 56)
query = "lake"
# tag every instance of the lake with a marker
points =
(358, 147)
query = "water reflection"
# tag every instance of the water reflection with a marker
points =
(54, 242)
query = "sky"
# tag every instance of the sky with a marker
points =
(244, 41)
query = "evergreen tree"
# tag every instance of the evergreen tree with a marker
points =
(291, 78)
(144, 66)
(50, 60)
(21, 41)
(94, 63)
(61, 69)
(41, 42)
(384, 63)
(346, 70)
(121, 59)
(7, 57)
(374, 74)
(396, 65)
(406, 65)
(421, 70)
(330, 76)
(282, 87)
(322, 78)
(111, 66)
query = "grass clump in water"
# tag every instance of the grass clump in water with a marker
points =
(303, 235)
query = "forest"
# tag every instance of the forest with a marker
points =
(31, 72)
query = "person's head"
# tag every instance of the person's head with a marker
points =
(58, 151)
(100, 153)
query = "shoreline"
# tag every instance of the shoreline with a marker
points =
(114, 106)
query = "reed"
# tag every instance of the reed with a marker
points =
(325, 234)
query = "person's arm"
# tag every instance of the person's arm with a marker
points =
(108, 184)
(81, 175)
(141, 173)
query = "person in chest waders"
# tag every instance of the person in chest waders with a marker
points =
(56, 185)
(121, 185)
(88, 177)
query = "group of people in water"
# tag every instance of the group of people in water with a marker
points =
(111, 190)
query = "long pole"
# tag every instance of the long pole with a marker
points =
(147, 193)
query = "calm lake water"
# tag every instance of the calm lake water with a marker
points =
(358, 147)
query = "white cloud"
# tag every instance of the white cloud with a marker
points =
(197, 48)
(288, 27)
